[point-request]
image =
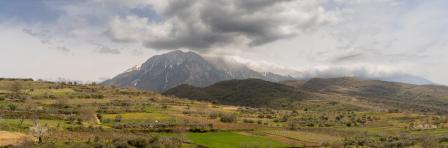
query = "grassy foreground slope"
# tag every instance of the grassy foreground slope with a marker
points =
(47, 114)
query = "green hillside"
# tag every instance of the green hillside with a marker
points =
(404, 97)
(249, 92)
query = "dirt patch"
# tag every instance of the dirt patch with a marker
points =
(12, 138)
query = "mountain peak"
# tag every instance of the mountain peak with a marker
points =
(165, 71)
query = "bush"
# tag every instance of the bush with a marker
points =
(248, 121)
(138, 142)
(213, 115)
(120, 143)
(225, 117)
(12, 107)
(393, 111)
(197, 129)
(118, 118)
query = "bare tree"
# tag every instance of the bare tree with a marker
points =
(39, 131)
(22, 119)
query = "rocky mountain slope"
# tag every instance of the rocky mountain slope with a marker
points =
(162, 72)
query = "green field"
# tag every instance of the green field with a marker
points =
(231, 140)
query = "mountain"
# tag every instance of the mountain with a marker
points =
(235, 70)
(248, 92)
(393, 95)
(162, 72)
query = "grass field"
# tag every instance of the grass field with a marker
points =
(14, 124)
(135, 117)
(304, 136)
(231, 140)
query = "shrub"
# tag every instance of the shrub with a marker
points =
(248, 121)
(51, 96)
(226, 117)
(197, 129)
(138, 142)
(213, 115)
(393, 111)
(120, 143)
(348, 124)
(118, 118)
(12, 107)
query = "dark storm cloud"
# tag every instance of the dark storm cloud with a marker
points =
(201, 24)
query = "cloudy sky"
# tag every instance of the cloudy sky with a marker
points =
(91, 40)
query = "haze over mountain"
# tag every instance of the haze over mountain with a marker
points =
(162, 72)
